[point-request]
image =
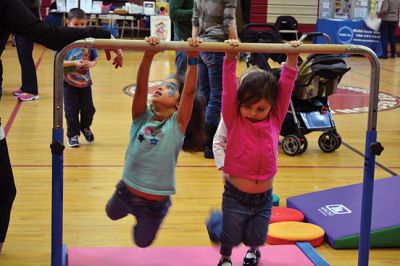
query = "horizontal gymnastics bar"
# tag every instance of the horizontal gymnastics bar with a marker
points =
(224, 47)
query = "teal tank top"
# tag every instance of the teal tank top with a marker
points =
(152, 154)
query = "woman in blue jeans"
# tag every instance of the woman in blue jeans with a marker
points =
(213, 21)
(389, 13)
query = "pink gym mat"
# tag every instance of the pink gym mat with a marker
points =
(280, 255)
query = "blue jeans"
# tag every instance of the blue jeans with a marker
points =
(78, 101)
(388, 30)
(149, 214)
(210, 84)
(180, 60)
(245, 218)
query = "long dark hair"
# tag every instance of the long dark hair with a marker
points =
(195, 137)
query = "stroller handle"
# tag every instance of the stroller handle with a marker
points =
(315, 34)
(259, 25)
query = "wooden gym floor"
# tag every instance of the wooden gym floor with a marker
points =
(91, 171)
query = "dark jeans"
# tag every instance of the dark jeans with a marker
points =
(149, 214)
(180, 60)
(388, 30)
(210, 84)
(7, 189)
(78, 101)
(245, 218)
(3, 41)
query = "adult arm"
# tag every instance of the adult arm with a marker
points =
(195, 20)
(384, 9)
(18, 19)
(229, 19)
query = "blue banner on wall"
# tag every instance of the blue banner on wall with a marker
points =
(349, 32)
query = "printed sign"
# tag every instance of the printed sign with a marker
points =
(334, 209)
(160, 26)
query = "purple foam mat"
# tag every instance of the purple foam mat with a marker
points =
(338, 210)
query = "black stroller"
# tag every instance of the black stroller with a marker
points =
(309, 108)
(318, 78)
(262, 33)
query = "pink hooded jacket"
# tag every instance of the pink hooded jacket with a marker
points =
(252, 148)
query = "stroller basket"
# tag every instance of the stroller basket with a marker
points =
(319, 76)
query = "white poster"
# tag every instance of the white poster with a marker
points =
(61, 6)
(86, 5)
(96, 7)
(72, 4)
(148, 8)
(160, 26)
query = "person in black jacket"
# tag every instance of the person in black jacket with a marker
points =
(15, 17)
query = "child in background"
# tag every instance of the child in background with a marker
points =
(77, 85)
(158, 132)
(253, 116)
(219, 147)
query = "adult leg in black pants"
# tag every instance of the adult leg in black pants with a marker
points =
(29, 88)
(28, 70)
(392, 37)
(3, 41)
(7, 188)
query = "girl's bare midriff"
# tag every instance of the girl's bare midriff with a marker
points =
(251, 186)
(146, 196)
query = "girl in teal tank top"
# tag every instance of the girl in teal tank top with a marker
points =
(158, 132)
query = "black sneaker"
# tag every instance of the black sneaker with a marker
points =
(73, 142)
(252, 257)
(225, 262)
(88, 134)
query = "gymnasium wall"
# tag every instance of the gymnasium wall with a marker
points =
(305, 11)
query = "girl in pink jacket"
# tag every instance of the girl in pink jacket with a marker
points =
(253, 115)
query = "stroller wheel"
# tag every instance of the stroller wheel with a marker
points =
(291, 145)
(303, 145)
(329, 141)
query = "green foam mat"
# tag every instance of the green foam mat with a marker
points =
(388, 237)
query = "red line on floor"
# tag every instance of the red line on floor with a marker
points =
(182, 166)
(12, 117)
